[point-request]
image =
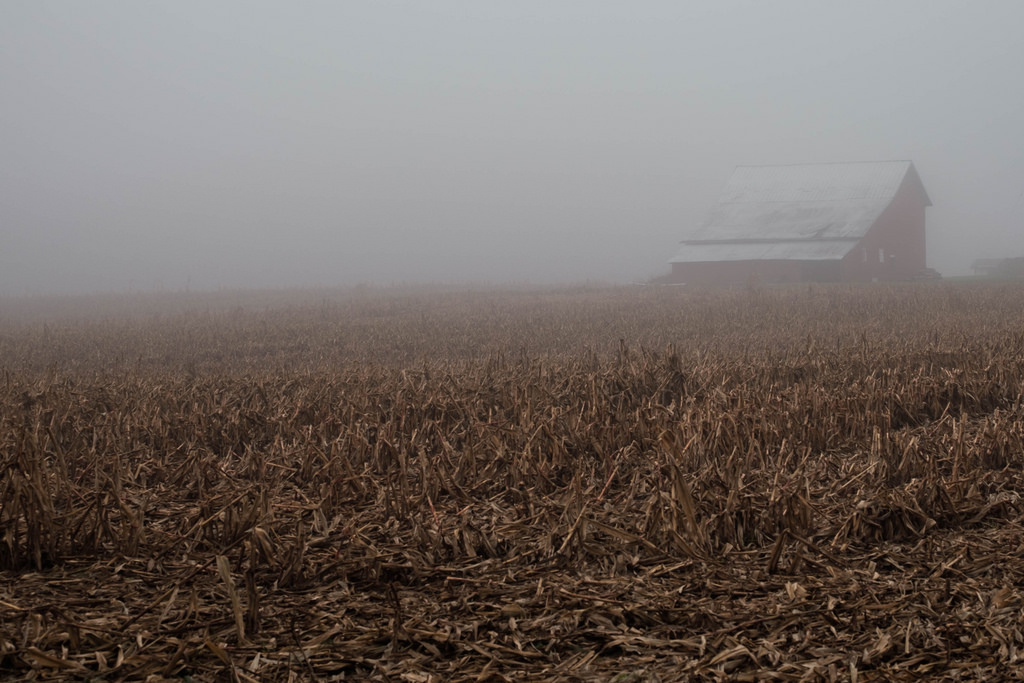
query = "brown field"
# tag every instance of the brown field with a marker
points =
(632, 484)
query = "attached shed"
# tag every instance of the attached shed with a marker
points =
(854, 222)
(986, 267)
(1002, 268)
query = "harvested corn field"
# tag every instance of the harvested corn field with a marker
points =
(636, 484)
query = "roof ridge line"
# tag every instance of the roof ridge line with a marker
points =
(772, 240)
(828, 163)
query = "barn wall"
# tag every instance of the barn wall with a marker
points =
(736, 272)
(900, 235)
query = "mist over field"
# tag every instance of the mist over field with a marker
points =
(195, 145)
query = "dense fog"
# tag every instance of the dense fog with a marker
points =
(260, 144)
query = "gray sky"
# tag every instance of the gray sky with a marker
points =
(258, 143)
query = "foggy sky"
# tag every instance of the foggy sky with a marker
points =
(248, 144)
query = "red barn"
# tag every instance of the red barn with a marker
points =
(852, 222)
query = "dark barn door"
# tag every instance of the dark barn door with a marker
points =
(819, 271)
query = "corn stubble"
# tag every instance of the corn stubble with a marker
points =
(630, 485)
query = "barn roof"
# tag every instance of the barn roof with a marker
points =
(802, 212)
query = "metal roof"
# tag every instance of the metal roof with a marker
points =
(801, 212)
(801, 250)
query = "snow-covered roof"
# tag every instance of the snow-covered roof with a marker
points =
(802, 212)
